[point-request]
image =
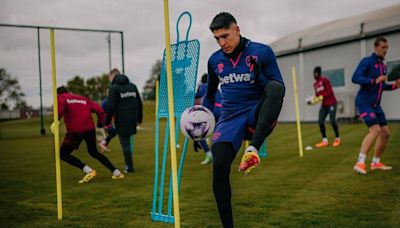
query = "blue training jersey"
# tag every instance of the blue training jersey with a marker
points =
(242, 77)
(367, 71)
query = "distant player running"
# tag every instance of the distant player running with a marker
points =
(252, 92)
(77, 113)
(371, 76)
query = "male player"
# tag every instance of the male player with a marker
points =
(125, 105)
(77, 113)
(371, 76)
(252, 91)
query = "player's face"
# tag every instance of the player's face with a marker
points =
(228, 39)
(382, 49)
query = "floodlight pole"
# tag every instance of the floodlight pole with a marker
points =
(42, 130)
(122, 52)
(109, 51)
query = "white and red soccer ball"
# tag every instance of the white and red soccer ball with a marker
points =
(197, 122)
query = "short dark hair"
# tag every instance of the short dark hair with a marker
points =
(222, 20)
(379, 40)
(204, 78)
(62, 89)
(317, 70)
(115, 71)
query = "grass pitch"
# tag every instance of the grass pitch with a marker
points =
(318, 190)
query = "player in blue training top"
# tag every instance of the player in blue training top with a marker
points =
(371, 76)
(252, 91)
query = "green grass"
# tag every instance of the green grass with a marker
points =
(319, 189)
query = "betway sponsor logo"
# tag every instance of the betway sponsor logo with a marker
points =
(233, 77)
(319, 89)
(76, 101)
(128, 94)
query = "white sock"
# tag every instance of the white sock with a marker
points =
(361, 158)
(376, 160)
(208, 153)
(324, 139)
(87, 169)
(338, 138)
(116, 172)
(251, 149)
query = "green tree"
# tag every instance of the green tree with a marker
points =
(77, 85)
(10, 91)
(149, 88)
(95, 87)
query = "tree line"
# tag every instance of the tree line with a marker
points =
(95, 87)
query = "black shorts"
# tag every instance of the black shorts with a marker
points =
(72, 140)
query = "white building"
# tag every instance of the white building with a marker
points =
(337, 47)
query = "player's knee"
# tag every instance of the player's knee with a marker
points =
(375, 130)
(385, 133)
(64, 153)
(275, 90)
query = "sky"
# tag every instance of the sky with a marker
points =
(142, 21)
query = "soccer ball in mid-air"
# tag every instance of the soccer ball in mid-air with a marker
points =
(197, 122)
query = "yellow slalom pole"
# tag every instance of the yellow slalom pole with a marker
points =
(171, 115)
(56, 128)
(296, 102)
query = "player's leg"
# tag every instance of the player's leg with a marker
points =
(267, 112)
(208, 155)
(71, 143)
(224, 154)
(103, 144)
(125, 141)
(266, 116)
(112, 132)
(381, 142)
(332, 118)
(90, 139)
(380, 145)
(323, 112)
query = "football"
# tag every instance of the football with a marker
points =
(197, 122)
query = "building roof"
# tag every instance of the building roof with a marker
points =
(365, 25)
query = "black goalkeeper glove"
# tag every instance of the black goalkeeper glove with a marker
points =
(196, 146)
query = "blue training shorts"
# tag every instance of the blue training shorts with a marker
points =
(236, 128)
(372, 115)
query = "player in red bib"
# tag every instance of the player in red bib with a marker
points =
(323, 91)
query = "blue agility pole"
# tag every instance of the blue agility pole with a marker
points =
(185, 59)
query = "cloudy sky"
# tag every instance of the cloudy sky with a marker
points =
(86, 54)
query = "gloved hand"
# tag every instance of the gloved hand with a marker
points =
(314, 99)
(196, 146)
(53, 126)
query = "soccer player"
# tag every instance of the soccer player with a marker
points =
(77, 113)
(324, 91)
(111, 132)
(201, 91)
(371, 76)
(252, 92)
(125, 105)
